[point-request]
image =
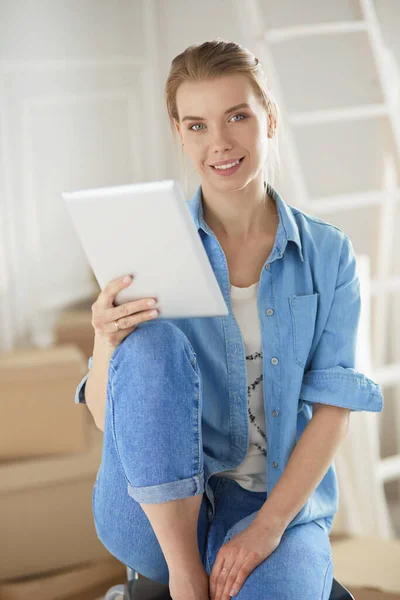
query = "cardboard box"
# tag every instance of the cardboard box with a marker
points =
(368, 567)
(371, 594)
(75, 327)
(85, 582)
(46, 519)
(38, 416)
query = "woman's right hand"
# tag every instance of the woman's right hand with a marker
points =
(128, 314)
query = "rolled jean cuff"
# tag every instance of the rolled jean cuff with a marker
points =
(174, 490)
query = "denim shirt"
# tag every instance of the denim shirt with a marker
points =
(309, 309)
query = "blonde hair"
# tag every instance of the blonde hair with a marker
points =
(214, 58)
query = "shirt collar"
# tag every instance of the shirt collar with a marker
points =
(287, 229)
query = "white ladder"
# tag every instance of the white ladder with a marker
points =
(362, 24)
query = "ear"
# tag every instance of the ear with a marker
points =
(272, 123)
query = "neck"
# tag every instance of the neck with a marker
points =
(239, 214)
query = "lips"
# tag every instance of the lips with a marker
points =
(228, 171)
(227, 162)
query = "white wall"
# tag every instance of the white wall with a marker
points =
(78, 83)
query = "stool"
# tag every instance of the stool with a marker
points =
(146, 589)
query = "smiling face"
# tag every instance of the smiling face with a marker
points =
(214, 128)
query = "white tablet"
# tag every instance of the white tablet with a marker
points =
(147, 230)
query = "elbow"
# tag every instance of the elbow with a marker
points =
(97, 420)
(99, 424)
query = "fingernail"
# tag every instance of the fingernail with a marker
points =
(126, 279)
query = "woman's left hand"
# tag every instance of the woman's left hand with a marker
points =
(240, 556)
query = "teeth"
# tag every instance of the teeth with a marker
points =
(228, 166)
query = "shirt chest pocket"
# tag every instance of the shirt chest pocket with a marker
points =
(303, 311)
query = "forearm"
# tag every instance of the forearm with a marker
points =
(96, 384)
(307, 465)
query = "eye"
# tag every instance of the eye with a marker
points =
(200, 124)
(194, 124)
(240, 115)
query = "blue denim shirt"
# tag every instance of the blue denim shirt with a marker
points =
(309, 308)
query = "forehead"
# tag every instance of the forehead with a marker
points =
(213, 96)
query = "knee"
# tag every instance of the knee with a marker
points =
(152, 343)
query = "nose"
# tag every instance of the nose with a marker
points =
(220, 141)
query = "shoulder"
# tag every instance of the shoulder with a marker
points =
(319, 233)
(315, 224)
(326, 248)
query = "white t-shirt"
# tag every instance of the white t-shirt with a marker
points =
(251, 473)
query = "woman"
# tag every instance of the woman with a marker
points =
(217, 473)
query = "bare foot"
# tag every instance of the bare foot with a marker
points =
(189, 587)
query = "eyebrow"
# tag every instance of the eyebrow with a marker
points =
(242, 105)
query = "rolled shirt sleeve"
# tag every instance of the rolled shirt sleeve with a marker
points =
(80, 390)
(332, 378)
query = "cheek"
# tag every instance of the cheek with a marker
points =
(261, 141)
(195, 153)
(251, 136)
(197, 150)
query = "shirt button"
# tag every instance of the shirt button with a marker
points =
(275, 413)
(267, 266)
(274, 360)
(274, 464)
(269, 311)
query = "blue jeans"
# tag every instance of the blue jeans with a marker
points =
(152, 452)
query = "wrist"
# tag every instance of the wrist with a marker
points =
(102, 349)
(270, 522)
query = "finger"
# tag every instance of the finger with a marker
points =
(219, 563)
(219, 584)
(221, 581)
(128, 308)
(242, 571)
(230, 579)
(127, 322)
(107, 296)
